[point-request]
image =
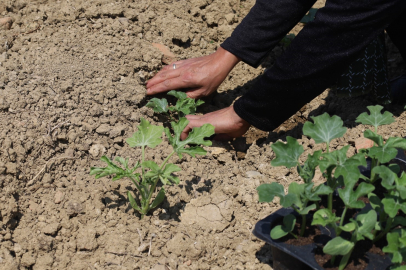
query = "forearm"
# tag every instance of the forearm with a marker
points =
(264, 26)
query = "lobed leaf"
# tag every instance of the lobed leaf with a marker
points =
(147, 135)
(196, 137)
(325, 128)
(375, 118)
(267, 192)
(396, 246)
(350, 197)
(324, 217)
(158, 105)
(165, 175)
(308, 169)
(287, 154)
(366, 224)
(113, 169)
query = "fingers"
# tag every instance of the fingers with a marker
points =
(169, 84)
(166, 72)
(161, 77)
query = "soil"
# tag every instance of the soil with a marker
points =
(72, 77)
(357, 261)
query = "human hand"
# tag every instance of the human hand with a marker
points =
(200, 76)
(227, 124)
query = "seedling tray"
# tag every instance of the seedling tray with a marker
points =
(289, 257)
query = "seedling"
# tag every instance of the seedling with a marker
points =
(396, 248)
(146, 174)
(342, 174)
(183, 106)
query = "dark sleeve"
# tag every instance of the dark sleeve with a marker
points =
(315, 59)
(264, 26)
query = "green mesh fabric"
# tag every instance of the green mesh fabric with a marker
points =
(367, 75)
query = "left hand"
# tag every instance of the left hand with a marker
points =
(226, 122)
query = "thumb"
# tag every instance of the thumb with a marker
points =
(192, 124)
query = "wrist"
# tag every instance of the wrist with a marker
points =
(228, 59)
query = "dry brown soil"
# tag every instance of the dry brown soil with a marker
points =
(72, 77)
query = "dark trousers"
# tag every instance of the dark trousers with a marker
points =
(318, 55)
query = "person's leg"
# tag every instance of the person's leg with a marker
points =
(316, 58)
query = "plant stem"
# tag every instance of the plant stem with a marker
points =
(137, 186)
(142, 163)
(145, 207)
(303, 227)
(294, 235)
(343, 216)
(166, 160)
(384, 232)
(346, 257)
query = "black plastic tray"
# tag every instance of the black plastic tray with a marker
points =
(289, 257)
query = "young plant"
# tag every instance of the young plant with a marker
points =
(299, 195)
(396, 248)
(360, 228)
(342, 174)
(146, 174)
(183, 106)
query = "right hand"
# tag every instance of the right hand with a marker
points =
(200, 76)
(227, 124)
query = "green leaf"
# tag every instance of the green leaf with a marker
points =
(375, 118)
(396, 142)
(324, 217)
(387, 175)
(158, 105)
(382, 153)
(375, 202)
(113, 169)
(307, 209)
(282, 230)
(349, 227)
(178, 94)
(321, 190)
(350, 197)
(325, 128)
(184, 104)
(196, 137)
(267, 192)
(158, 199)
(169, 170)
(345, 167)
(366, 223)
(147, 135)
(376, 138)
(308, 169)
(133, 203)
(287, 154)
(164, 175)
(395, 247)
(392, 204)
(399, 221)
(278, 232)
(338, 246)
